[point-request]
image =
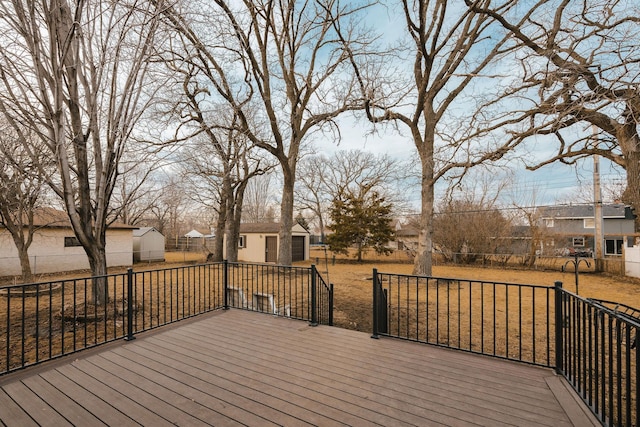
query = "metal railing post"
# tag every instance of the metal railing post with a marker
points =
(559, 324)
(129, 336)
(375, 304)
(225, 284)
(314, 297)
(330, 304)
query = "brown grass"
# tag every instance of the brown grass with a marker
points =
(353, 283)
(353, 286)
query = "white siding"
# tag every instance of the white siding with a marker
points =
(48, 254)
(632, 261)
(149, 246)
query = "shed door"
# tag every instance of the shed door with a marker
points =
(297, 248)
(271, 248)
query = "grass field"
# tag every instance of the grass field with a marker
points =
(353, 283)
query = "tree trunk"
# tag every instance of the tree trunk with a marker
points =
(286, 220)
(632, 192)
(422, 263)
(25, 265)
(218, 241)
(23, 254)
(99, 286)
(223, 218)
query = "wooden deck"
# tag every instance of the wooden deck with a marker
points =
(240, 368)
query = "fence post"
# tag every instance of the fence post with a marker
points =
(375, 304)
(314, 297)
(225, 278)
(129, 336)
(559, 368)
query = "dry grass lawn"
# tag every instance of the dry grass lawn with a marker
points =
(353, 283)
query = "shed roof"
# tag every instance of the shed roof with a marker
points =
(266, 227)
(144, 230)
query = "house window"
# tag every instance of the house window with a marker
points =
(613, 246)
(578, 241)
(242, 242)
(70, 242)
(548, 222)
(589, 222)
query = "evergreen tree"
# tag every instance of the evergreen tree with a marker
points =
(300, 219)
(360, 220)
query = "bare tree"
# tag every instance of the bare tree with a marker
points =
(219, 166)
(322, 180)
(452, 46)
(469, 224)
(578, 66)
(286, 57)
(259, 202)
(167, 212)
(77, 75)
(311, 192)
(21, 191)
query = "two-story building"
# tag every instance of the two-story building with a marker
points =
(570, 229)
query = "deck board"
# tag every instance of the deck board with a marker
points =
(239, 368)
(73, 413)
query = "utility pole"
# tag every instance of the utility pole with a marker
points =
(597, 211)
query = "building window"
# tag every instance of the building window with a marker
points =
(242, 242)
(613, 246)
(589, 223)
(578, 241)
(548, 222)
(70, 242)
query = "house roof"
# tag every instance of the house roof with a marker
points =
(586, 211)
(55, 218)
(407, 231)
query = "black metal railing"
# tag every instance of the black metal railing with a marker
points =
(46, 320)
(296, 292)
(503, 320)
(597, 353)
(592, 343)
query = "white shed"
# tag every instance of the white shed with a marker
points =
(148, 244)
(55, 248)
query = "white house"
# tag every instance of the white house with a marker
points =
(148, 244)
(258, 242)
(55, 248)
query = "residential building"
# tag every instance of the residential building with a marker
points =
(570, 229)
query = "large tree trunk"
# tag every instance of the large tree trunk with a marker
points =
(99, 286)
(232, 232)
(25, 265)
(422, 263)
(25, 262)
(223, 218)
(632, 192)
(234, 217)
(218, 241)
(286, 219)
